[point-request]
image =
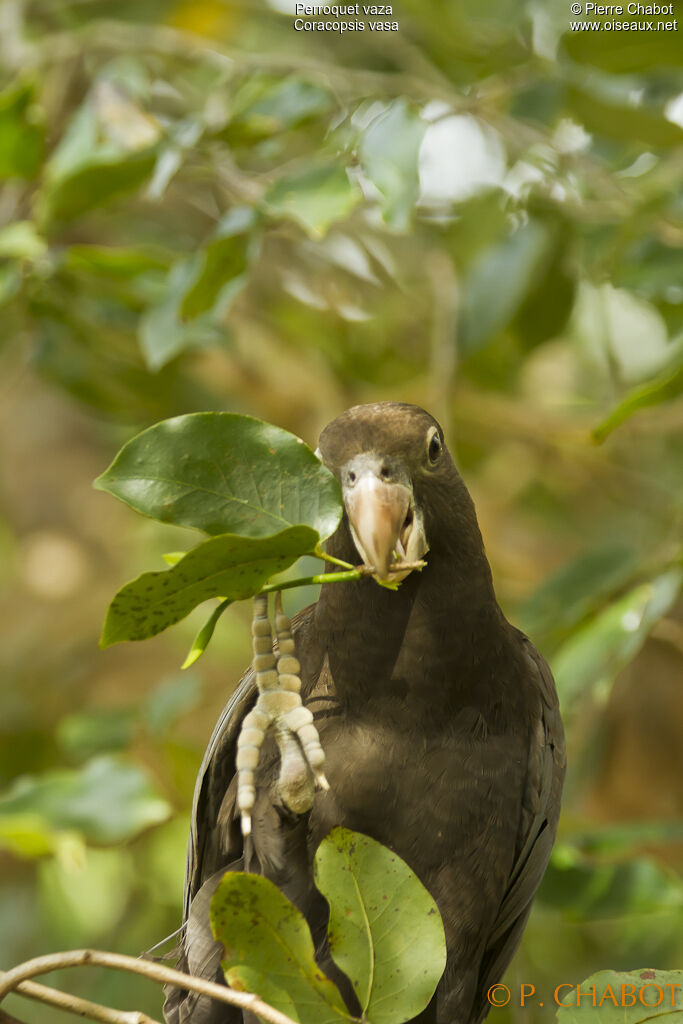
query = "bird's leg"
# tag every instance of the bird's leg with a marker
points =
(300, 749)
(279, 707)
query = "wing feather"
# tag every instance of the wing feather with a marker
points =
(540, 815)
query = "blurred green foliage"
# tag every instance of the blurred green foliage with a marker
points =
(204, 209)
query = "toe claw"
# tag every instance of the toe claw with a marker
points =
(278, 707)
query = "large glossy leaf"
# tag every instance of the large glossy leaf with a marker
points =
(268, 948)
(389, 153)
(316, 198)
(228, 566)
(624, 997)
(385, 930)
(109, 800)
(225, 473)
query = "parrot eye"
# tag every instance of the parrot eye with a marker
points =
(434, 447)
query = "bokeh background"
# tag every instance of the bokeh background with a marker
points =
(202, 208)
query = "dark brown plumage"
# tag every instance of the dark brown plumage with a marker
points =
(439, 721)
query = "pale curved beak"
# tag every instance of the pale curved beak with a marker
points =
(384, 523)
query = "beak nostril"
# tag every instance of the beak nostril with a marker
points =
(405, 529)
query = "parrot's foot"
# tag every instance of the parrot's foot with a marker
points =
(279, 708)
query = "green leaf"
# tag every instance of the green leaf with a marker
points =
(642, 124)
(389, 153)
(624, 52)
(228, 566)
(610, 323)
(223, 264)
(550, 299)
(315, 198)
(98, 158)
(10, 282)
(173, 557)
(385, 930)
(576, 589)
(28, 836)
(162, 331)
(83, 734)
(203, 637)
(498, 282)
(101, 181)
(115, 261)
(265, 105)
(623, 889)
(22, 133)
(267, 943)
(622, 839)
(104, 179)
(652, 269)
(663, 388)
(245, 978)
(225, 473)
(21, 241)
(169, 702)
(109, 800)
(85, 894)
(599, 650)
(607, 996)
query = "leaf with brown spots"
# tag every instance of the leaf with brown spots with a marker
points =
(227, 566)
(268, 949)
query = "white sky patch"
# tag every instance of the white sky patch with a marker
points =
(630, 621)
(674, 110)
(366, 113)
(458, 157)
(546, 31)
(380, 252)
(521, 177)
(348, 254)
(643, 163)
(354, 313)
(285, 6)
(570, 137)
(299, 288)
(612, 324)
